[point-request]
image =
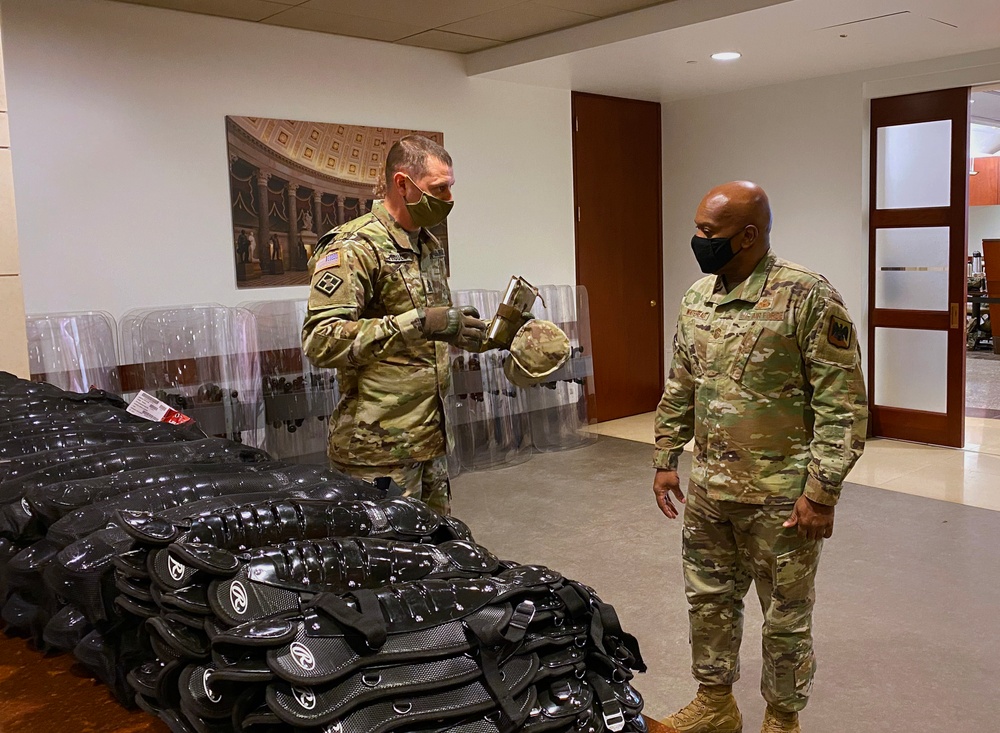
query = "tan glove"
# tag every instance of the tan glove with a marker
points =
(460, 327)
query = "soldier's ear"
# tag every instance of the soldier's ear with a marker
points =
(750, 236)
(399, 182)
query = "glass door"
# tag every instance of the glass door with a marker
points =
(917, 273)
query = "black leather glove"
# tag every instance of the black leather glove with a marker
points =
(460, 327)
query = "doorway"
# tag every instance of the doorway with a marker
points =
(617, 194)
(982, 404)
(917, 265)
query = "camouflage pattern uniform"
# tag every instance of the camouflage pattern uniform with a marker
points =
(368, 277)
(767, 379)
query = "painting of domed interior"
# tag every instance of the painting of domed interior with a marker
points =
(290, 182)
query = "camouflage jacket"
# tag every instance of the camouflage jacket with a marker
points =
(367, 280)
(767, 379)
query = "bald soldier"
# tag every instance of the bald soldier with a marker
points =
(766, 377)
(380, 311)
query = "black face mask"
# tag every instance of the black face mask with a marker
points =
(712, 253)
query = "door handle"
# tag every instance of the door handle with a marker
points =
(652, 304)
(954, 315)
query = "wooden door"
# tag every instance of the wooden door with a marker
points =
(984, 182)
(617, 192)
(917, 266)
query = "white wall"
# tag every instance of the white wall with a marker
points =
(984, 223)
(803, 143)
(120, 166)
(806, 144)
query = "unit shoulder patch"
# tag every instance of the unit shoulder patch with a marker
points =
(328, 283)
(840, 333)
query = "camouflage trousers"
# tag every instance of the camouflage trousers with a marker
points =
(725, 545)
(424, 480)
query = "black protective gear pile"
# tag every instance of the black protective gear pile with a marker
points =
(223, 591)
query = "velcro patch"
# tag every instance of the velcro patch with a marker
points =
(328, 284)
(327, 261)
(840, 333)
(439, 254)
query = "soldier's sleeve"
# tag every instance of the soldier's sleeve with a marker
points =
(829, 343)
(342, 285)
(674, 423)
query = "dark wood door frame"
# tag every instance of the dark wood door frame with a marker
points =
(926, 427)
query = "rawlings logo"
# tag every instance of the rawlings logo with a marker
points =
(304, 697)
(214, 697)
(25, 505)
(175, 568)
(302, 656)
(238, 597)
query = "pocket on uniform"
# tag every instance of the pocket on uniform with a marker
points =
(768, 363)
(795, 571)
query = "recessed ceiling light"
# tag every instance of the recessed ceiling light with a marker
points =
(726, 55)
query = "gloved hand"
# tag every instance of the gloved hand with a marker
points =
(460, 327)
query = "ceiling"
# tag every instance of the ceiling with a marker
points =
(643, 48)
(780, 42)
(461, 26)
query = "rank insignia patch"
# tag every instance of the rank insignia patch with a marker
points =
(328, 284)
(840, 333)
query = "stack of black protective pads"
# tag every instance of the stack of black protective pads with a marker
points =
(223, 591)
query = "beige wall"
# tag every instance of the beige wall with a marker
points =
(13, 341)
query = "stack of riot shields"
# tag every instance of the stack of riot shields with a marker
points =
(558, 409)
(201, 360)
(487, 415)
(298, 396)
(493, 423)
(74, 351)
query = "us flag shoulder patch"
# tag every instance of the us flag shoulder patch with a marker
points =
(327, 261)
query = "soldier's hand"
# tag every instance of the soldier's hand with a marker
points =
(813, 520)
(458, 326)
(666, 483)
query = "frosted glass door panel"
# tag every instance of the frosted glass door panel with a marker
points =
(914, 165)
(911, 369)
(911, 269)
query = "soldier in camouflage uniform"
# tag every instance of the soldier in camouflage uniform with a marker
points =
(380, 311)
(766, 377)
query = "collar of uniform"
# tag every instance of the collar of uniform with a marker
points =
(750, 289)
(398, 234)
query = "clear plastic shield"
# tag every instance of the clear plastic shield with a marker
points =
(486, 415)
(74, 351)
(203, 361)
(299, 398)
(558, 409)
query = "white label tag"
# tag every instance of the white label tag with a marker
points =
(147, 406)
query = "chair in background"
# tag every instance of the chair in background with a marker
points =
(991, 267)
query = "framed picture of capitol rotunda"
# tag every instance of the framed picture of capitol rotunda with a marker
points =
(291, 182)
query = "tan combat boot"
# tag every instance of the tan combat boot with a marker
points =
(713, 710)
(776, 721)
